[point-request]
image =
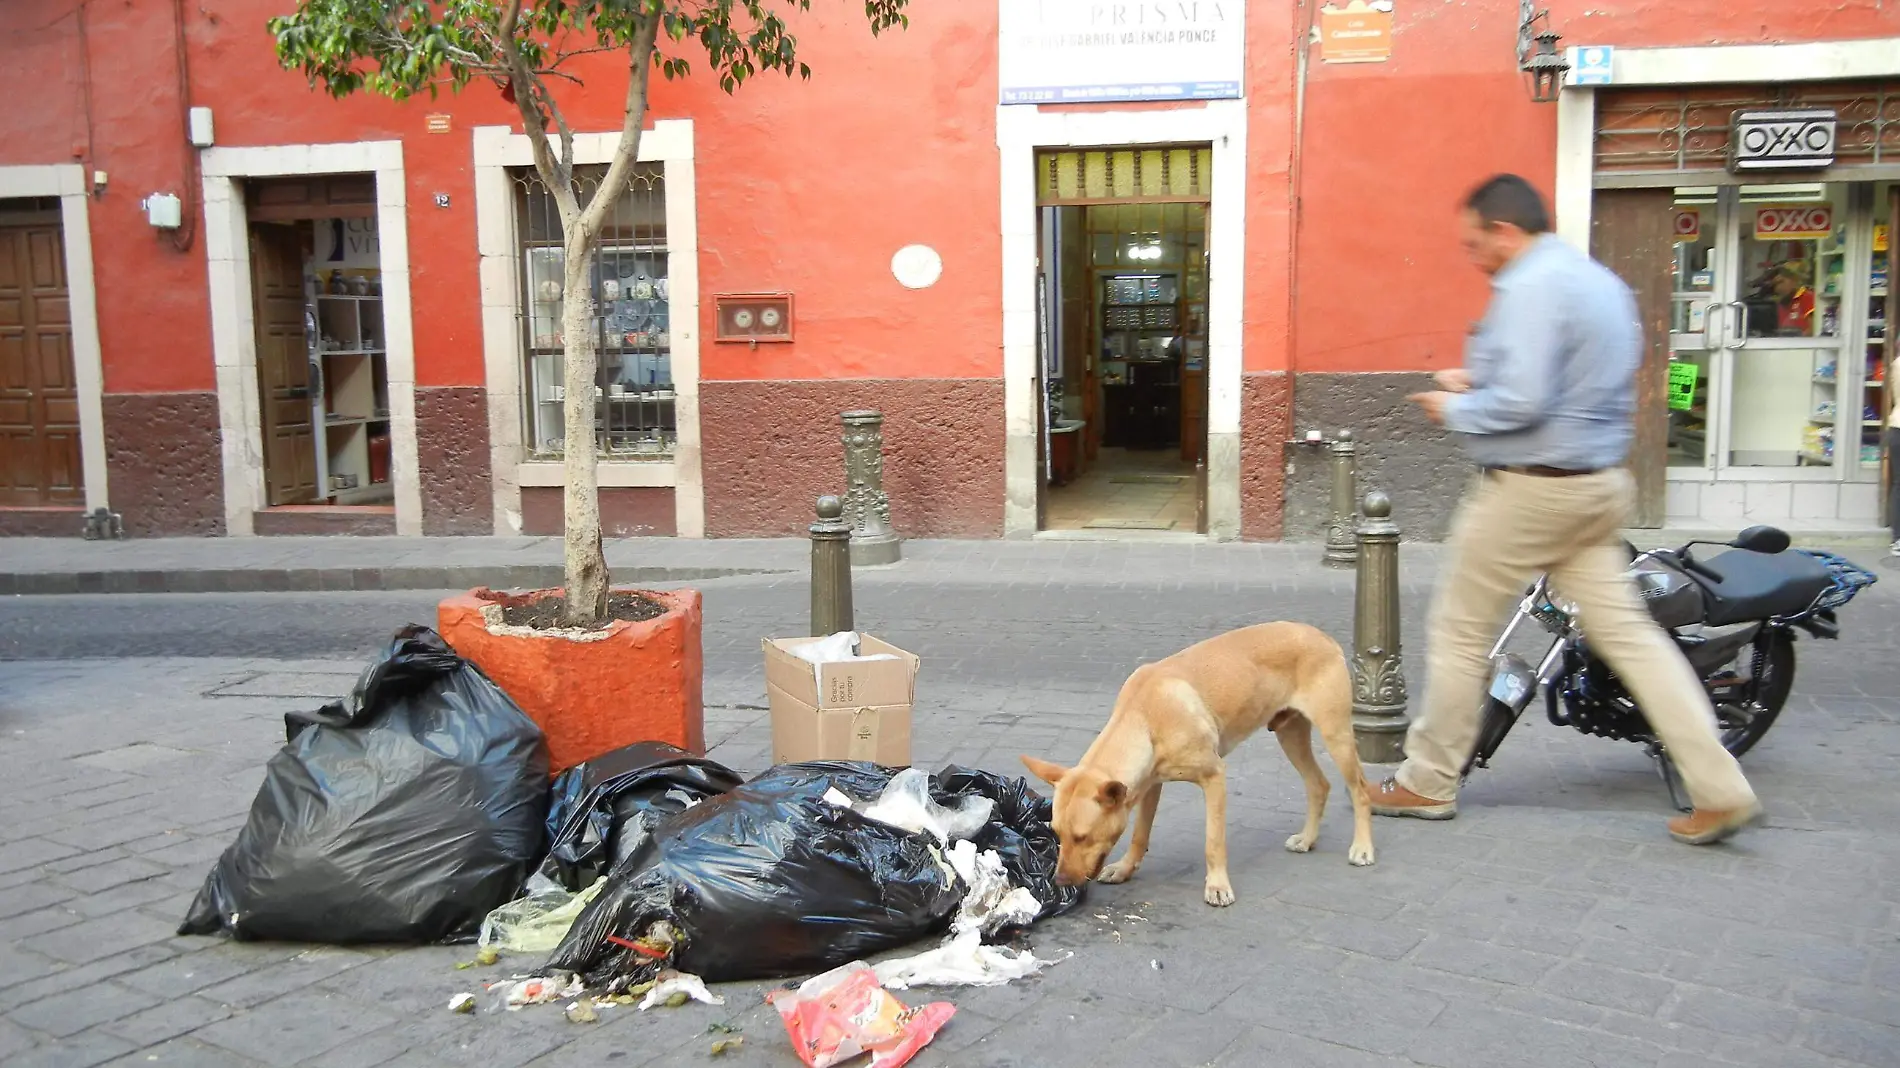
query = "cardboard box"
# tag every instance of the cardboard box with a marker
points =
(851, 710)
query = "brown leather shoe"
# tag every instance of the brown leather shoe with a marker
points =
(1707, 826)
(1391, 799)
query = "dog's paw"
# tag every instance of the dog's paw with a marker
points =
(1118, 872)
(1301, 843)
(1218, 894)
(1360, 856)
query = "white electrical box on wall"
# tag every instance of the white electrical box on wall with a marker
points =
(164, 211)
(201, 127)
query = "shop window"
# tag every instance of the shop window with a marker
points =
(634, 409)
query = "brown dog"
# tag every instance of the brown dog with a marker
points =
(1174, 722)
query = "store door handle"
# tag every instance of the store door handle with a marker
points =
(1740, 337)
(1709, 316)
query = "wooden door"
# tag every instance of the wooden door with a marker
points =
(283, 363)
(1630, 233)
(39, 403)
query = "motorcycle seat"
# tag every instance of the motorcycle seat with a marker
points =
(1743, 586)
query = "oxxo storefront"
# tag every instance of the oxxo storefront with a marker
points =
(1756, 224)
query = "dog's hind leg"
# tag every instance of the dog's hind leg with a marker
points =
(1124, 869)
(1296, 737)
(1334, 695)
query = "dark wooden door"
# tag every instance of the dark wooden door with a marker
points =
(39, 403)
(1631, 233)
(283, 363)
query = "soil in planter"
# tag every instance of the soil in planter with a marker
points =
(545, 613)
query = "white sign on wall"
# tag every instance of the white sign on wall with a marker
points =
(1076, 51)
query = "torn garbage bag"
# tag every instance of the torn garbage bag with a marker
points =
(772, 879)
(602, 810)
(403, 813)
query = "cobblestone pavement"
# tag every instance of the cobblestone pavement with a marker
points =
(1552, 923)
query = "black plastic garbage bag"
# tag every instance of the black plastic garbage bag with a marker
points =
(601, 811)
(772, 880)
(403, 813)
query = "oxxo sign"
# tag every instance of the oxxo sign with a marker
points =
(1782, 139)
(1794, 222)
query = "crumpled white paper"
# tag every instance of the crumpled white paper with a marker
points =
(963, 960)
(671, 983)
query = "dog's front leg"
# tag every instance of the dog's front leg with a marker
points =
(1124, 869)
(1219, 891)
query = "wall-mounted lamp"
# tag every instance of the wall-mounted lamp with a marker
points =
(1543, 68)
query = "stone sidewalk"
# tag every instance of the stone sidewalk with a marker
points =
(1551, 924)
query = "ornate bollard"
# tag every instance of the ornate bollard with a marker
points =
(1378, 670)
(830, 569)
(873, 542)
(1342, 546)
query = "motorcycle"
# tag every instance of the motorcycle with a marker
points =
(1734, 616)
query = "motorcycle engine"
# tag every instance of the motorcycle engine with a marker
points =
(1596, 702)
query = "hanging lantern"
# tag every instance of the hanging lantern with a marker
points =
(1546, 69)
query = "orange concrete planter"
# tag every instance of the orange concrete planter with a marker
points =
(634, 682)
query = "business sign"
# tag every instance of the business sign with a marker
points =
(1082, 51)
(1591, 64)
(1359, 32)
(1794, 222)
(1782, 139)
(1688, 225)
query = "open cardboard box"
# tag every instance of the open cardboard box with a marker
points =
(848, 710)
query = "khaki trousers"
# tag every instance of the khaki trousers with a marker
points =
(1510, 528)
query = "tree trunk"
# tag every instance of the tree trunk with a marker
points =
(586, 561)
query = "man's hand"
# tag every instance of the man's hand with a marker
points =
(1433, 404)
(1453, 380)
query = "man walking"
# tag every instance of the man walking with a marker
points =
(1543, 405)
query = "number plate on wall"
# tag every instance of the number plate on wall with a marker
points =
(1782, 139)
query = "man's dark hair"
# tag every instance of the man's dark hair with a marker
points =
(1508, 198)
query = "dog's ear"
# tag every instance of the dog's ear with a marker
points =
(1113, 793)
(1042, 769)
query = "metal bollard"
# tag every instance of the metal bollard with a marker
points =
(873, 542)
(1342, 545)
(1378, 670)
(830, 569)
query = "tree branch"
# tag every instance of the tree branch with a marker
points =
(640, 62)
(557, 175)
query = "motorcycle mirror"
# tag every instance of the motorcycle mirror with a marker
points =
(1761, 539)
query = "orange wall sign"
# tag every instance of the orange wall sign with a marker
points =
(1794, 222)
(1359, 32)
(1688, 225)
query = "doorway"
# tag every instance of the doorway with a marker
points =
(322, 355)
(1777, 369)
(1122, 347)
(40, 459)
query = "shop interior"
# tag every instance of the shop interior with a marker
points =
(1123, 316)
(323, 372)
(1780, 354)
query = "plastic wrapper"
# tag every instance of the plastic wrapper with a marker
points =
(602, 810)
(772, 879)
(538, 922)
(906, 802)
(844, 1013)
(404, 813)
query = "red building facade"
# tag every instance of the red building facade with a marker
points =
(1092, 317)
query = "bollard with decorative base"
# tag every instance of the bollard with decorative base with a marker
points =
(1378, 669)
(873, 542)
(1342, 545)
(830, 569)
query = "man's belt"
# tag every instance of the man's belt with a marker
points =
(1540, 471)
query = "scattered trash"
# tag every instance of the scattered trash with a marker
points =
(464, 965)
(675, 988)
(990, 905)
(844, 1013)
(836, 649)
(601, 811)
(535, 923)
(1155, 964)
(771, 879)
(723, 1029)
(486, 956)
(540, 990)
(462, 1003)
(582, 1012)
(727, 1045)
(401, 814)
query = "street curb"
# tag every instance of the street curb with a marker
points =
(339, 579)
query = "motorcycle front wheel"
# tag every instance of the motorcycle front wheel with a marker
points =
(1773, 680)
